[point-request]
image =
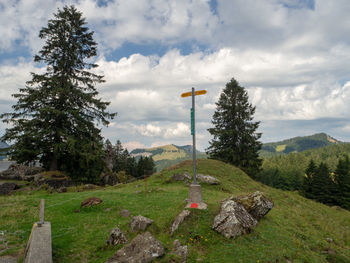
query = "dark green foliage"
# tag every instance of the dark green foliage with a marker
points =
(145, 166)
(307, 180)
(235, 138)
(342, 176)
(55, 115)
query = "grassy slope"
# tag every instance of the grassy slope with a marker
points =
(295, 229)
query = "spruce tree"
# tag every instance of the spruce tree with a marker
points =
(55, 115)
(235, 138)
(342, 177)
(307, 180)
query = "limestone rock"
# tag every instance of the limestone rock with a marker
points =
(178, 220)
(208, 179)
(125, 213)
(256, 204)
(6, 188)
(181, 177)
(233, 220)
(139, 222)
(20, 172)
(116, 237)
(144, 248)
(180, 251)
(91, 201)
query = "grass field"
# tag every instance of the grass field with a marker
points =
(295, 230)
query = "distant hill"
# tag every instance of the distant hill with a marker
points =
(297, 144)
(167, 155)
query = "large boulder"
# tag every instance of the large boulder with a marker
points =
(207, 179)
(6, 188)
(20, 172)
(180, 251)
(144, 248)
(233, 220)
(139, 222)
(116, 237)
(91, 201)
(181, 177)
(178, 220)
(256, 204)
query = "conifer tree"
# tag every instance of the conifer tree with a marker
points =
(323, 185)
(307, 180)
(55, 115)
(235, 138)
(342, 176)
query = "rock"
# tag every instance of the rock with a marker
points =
(125, 213)
(180, 251)
(208, 179)
(62, 189)
(20, 172)
(91, 201)
(54, 179)
(89, 187)
(329, 240)
(7, 188)
(233, 220)
(116, 237)
(140, 223)
(108, 209)
(8, 259)
(144, 248)
(178, 220)
(181, 177)
(256, 204)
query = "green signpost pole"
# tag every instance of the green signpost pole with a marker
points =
(193, 132)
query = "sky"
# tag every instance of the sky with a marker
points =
(292, 56)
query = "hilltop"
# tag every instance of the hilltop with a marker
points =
(297, 144)
(295, 230)
(167, 155)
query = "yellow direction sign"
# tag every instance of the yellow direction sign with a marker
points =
(198, 92)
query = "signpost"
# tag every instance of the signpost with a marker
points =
(195, 189)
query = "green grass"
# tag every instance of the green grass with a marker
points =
(295, 229)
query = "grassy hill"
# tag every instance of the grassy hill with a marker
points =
(167, 155)
(297, 144)
(295, 230)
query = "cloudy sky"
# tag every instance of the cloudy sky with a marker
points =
(293, 57)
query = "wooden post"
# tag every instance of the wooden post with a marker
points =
(42, 212)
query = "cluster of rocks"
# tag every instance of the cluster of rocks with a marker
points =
(238, 215)
(144, 247)
(20, 172)
(187, 178)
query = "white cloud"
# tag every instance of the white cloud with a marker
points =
(133, 145)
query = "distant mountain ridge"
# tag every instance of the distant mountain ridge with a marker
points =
(297, 144)
(167, 155)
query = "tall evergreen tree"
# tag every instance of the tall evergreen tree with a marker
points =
(307, 180)
(342, 177)
(322, 185)
(54, 118)
(235, 138)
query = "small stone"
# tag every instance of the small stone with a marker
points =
(91, 201)
(125, 213)
(329, 240)
(116, 237)
(108, 209)
(139, 222)
(144, 248)
(180, 251)
(62, 189)
(208, 179)
(178, 220)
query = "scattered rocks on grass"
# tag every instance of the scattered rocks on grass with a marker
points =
(256, 204)
(178, 220)
(139, 222)
(62, 189)
(180, 251)
(116, 237)
(208, 179)
(125, 213)
(181, 177)
(7, 188)
(91, 201)
(233, 220)
(54, 179)
(144, 248)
